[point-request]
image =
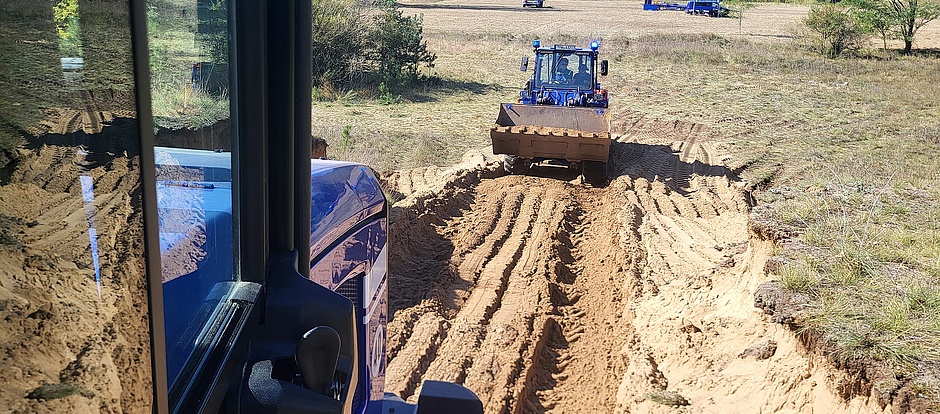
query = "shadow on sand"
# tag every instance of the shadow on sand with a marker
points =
(653, 162)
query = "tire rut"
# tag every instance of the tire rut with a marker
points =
(506, 347)
(468, 327)
(522, 304)
(482, 274)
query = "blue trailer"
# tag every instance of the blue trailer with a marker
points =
(650, 5)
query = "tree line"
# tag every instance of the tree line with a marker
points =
(845, 26)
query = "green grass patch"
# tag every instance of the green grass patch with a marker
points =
(874, 278)
(56, 391)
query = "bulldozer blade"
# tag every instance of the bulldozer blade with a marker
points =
(552, 132)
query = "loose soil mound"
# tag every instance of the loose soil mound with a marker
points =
(543, 295)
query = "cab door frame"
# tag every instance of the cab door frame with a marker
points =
(270, 59)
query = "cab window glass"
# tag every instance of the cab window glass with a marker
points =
(556, 69)
(543, 74)
(189, 88)
(74, 329)
(583, 71)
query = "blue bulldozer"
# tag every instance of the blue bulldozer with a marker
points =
(562, 115)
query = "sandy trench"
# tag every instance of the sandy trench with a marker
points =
(543, 295)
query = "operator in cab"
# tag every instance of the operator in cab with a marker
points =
(562, 73)
(583, 77)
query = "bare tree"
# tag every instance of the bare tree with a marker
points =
(900, 19)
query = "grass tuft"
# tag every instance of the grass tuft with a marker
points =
(55, 391)
(799, 278)
(668, 398)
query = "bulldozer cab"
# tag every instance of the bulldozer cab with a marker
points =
(564, 68)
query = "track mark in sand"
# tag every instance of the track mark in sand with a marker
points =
(507, 348)
(643, 149)
(406, 366)
(549, 358)
(489, 234)
(582, 363)
(71, 123)
(685, 165)
(490, 229)
(509, 339)
(91, 118)
(467, 328)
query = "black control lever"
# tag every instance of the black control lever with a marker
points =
(316, 356)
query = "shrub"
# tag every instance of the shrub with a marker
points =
(65, 13)
(398, 46)
(833, 30)
(349, 48)
(337, 41)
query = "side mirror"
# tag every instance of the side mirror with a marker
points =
(525, 64)
(603, 68)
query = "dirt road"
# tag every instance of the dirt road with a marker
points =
(543, 295)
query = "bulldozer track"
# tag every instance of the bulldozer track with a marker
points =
(91, 118)
(73, 123)
(68, 120)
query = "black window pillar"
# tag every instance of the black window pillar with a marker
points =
(271, 106)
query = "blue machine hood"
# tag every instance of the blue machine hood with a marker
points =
(194, 201)
(342, 195)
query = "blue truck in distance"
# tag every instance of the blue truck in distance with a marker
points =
(348, 251)
(711, 8)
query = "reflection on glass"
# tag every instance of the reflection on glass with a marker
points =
(74, 328)
(88, 197)
(194, 197)
(189, 76)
